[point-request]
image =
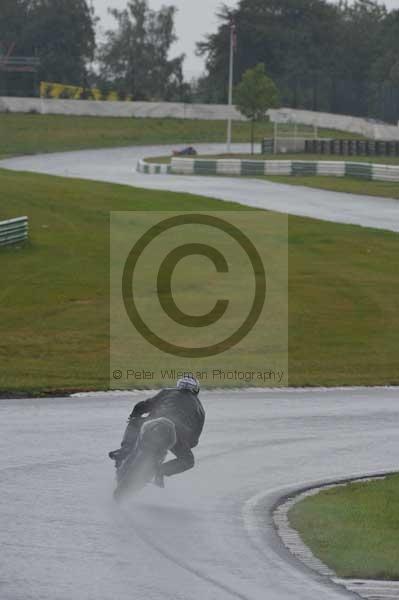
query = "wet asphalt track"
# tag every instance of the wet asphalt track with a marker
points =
(208, 535)
(118, 166)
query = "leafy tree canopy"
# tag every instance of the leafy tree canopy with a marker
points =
(135, 56)
(59, 32)
(255, 95)
(332, 56)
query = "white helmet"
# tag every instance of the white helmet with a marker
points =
(188, 382)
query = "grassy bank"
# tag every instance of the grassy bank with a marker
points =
(32, 134)
(343, 283)
(349, 185)
(353, 529)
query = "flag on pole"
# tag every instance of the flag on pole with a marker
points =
(233, 29)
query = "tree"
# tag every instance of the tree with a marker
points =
(255, 95)
(13, 15)
(361, 38)
(61, 33)
(282, 33)
(334, 56)
(134, 56)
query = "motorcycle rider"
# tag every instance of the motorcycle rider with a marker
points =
(182, 407)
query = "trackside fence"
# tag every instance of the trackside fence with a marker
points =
(14, 231)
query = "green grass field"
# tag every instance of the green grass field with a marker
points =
(353, 529)
(32, 134)
(348, 185)
(343, 285)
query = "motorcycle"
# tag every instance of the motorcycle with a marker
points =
(142, 462)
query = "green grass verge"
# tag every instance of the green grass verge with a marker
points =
(32, 134)
(343, 284)
(384, 160)
(353, 529)
(349, 185)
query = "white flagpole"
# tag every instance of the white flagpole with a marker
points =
(230, 104)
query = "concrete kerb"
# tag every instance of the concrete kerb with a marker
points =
(256, 168)
(153, 168)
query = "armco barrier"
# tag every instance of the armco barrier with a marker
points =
(367, 128)
(152, 168)
(13, 231)
(256, 168)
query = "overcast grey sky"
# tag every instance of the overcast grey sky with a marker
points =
(194, 19)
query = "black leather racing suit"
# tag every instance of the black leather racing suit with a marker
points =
(185, 410)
